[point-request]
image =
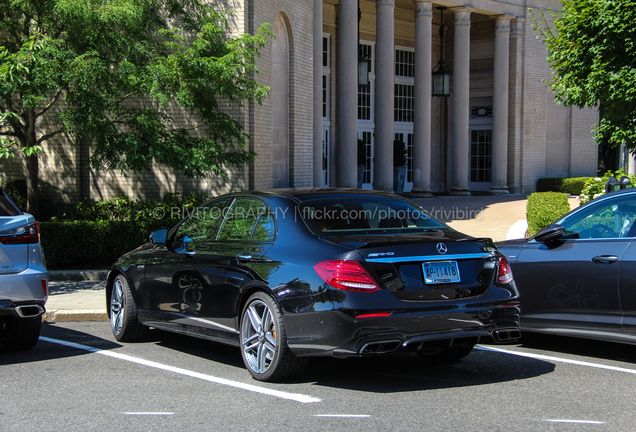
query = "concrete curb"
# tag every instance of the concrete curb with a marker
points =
(78, 275)
(75, 315)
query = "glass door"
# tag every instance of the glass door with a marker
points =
(480, 158)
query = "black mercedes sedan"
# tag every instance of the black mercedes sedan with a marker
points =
(288, 274)
(577, 277)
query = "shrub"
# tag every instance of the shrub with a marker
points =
(595, 186)
(572, 185)
(544, 208)
(94, 242)
(400, 155)
(125, 209)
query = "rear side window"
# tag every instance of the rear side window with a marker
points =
(240, 221)
(7, 208)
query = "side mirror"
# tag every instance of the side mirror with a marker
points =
(159, 236)
(549, 233)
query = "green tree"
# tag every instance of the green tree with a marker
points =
(592, 54)
(114, 70)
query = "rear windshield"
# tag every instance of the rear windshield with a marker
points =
(7, 208)
(366, 215)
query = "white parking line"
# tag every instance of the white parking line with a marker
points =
(575, 421)
(557, 359)
(279, 394)
(148, 413)
(343, 415)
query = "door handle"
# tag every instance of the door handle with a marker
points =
(244, 257)
(605, 259)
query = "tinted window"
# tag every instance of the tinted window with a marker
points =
(7, 208)
(611, 218)
(241, 219)
(204, 222)
(265, 229)
(366, 214)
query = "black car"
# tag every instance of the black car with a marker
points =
(288, 274)
(577, 277)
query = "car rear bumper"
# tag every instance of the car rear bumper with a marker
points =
(342, 334)
(25, 286)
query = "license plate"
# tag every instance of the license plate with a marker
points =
(440, 272)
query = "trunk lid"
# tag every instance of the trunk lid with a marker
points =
(433, 266)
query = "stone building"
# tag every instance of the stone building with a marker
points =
(498, 131)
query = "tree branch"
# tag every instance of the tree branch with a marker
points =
(49, 136)
(125, 97)
(46, 108)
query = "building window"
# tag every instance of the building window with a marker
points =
(326, 57)
(404, 63)
(325, 96)
(481, 111)
(364, 93)
(404, 99)
(404, 85)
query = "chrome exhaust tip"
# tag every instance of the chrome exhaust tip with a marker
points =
(29, 311)
(381, 347)
(506, 335)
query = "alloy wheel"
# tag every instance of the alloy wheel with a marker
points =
(117, 308)
(258, 334)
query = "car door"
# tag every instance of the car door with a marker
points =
(225, 264)
(171, 290)
(573, 283)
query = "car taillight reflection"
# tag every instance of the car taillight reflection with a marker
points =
(504, 275)
(25, 234)
(346, 275)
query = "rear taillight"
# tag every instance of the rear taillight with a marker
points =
(346, 275)
(44, 288)
(25, 234)
(504, 274)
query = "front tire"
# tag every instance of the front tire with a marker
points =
(20, 334)
(264, 341)
(123, 313)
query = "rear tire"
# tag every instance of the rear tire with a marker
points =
(443, 354)
(20, 334)
(264, 341)
(123, 313)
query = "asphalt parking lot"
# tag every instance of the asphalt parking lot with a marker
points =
(78, 378)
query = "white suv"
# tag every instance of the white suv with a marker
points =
(24, 278)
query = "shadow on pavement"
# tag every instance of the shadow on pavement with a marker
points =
(69, 287)
(581, 347)
(49, 351)
(382, 374)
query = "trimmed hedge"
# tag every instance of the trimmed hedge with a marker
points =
(544, 208)
(94, 242)
(572, 185)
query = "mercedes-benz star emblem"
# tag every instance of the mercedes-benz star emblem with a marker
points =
(441, 248)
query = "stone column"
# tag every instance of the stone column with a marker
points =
(423, 92)
(460, 102)
(317, 93)
(515, 96)
(384, 94)
(499, 182)
(347, 94)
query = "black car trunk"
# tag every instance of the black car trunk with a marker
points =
(433, 266)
